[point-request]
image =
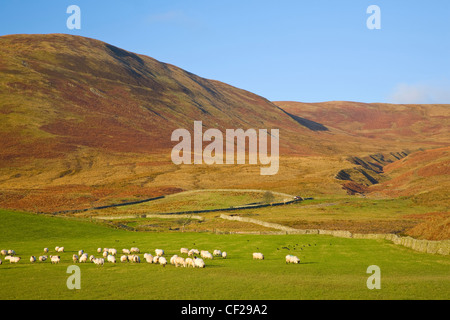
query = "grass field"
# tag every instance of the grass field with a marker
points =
(330, 268)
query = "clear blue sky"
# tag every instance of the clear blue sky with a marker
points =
(283, 50)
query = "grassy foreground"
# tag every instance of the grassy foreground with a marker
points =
(331, 268)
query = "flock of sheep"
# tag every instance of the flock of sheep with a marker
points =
(131, 255)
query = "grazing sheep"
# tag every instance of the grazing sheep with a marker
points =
(80, 253)
(75, 258)
(105, 254)
(189, 262)
(45, 250)
(258, 256)
(206, 255)
(83, 258)
(179, 261)
(32, 259)
(162, 261)
(91, 258)
(126, 251)
(135, 250)
(123, 258)
(217, 253)
(105, 249)
(112, 251)
(61, 249)
(99, 250)
(42, 258)
(8, 257)
(159, 252)
(172, 260)
(148, 257)
(192, 252)
(111, 259)
(224, 255)
(184, 250)
(14, 259)
(11, 252)
(99, 261)
(136, 259)
(56, 249)
(155, 259)
(55, 259)
(199, 263)
(4, 252)
(292, 259)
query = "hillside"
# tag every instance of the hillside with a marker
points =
(84, 123)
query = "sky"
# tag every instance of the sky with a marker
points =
(309, 51)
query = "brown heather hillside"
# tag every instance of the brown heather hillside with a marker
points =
(84, 123)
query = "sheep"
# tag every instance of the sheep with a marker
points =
(159, 252)
(199, 263)
(135, 250)
(224, 255)
(42, 258)
(179, 261)
(136, 259)
(80, 253)
(189, 262)
(206, 255)
(105, 254)
(99, 250)
(184, 250)
(83, 258)
(258, 256)
(172, 260)
(55, 259)
(162, 261)
(8, 257)
(192, 252)
(91, 258)
(14, 259)
(4, 252)
(99, 261)
(11, 252)
(56, 249)
(123, 258)
(148, 257)
(61, 249)
(292, 259)
(126, 251)
(217, 253)
(105, 249)
(111, 259)
(155, 259)
(112, 251)
(32, 259)
(75, 258)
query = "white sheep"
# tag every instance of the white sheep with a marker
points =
(126, 251)
(258, 256)
(4, 252)
(75, 258)
(172, 259)
(162, 261)
(80, 253)
(123, 258)
(199, 263)
(292, 259)
(11, 252)
(14, 259)
(217, 253)
(155, 259)
(192, 252)
(112, 251)
(148, 257)
(179, 261)
(134, 258)
(45, 250)
(184, 250)
(135, 250)
(83, 258)
(224, 255)
(61, 249)
(8, 257)
(55, 259)
(159, 252)
(42, 258)
(91, 258)
(190, 262)
(56, 249)
(32, 259)
(99, 250)
(99, 261)
(105, 254)
(111, 259)
(206, 255)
